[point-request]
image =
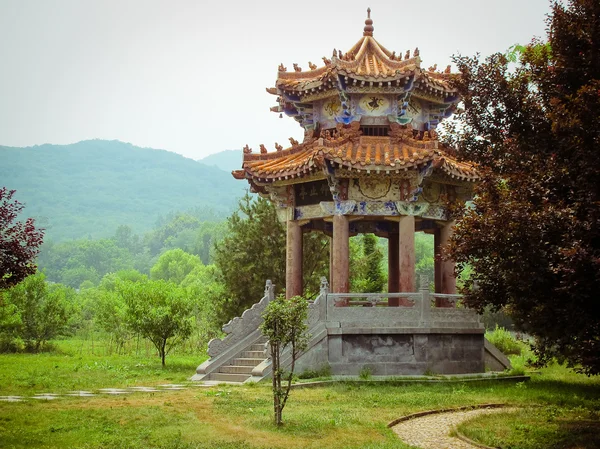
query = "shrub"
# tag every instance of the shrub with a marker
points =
(504, 341)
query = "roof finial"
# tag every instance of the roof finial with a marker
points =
(368, 31)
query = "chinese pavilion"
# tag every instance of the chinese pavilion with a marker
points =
(370, 160)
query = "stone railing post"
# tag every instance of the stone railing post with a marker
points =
(269, 290)
(324, 285)
(425, 300)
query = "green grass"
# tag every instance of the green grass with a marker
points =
(340, 415)
(537, 428)
(72, 366)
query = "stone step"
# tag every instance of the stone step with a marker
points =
(236, 369)
(257, 347)
(253, 354)
(227, 377)
(247, 361)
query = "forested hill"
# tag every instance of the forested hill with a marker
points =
(89, 188)
(227, 160)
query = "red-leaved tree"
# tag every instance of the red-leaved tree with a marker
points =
(19, 242)
(532, 235)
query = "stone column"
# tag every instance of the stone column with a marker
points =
(447, 276)
(293, 264)
(330, 261)
(445, 282)
(407, 255)
(437, 264)
(393, 263)
(340, 276)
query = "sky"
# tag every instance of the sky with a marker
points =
(189, 76)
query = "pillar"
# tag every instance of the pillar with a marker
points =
(393, 263)
(447, 266)
(406, 254)
(437, 258)
(445, 282)
(293, 261)
(340, 276)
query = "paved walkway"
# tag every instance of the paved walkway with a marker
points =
(433, 431)
(101, 391)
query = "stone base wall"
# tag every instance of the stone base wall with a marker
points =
(395, 354)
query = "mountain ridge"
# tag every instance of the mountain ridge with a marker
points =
(89, 188)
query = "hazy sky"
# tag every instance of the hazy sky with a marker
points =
(189, 76)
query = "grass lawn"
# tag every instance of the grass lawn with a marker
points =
(342, 415)
(73, 366)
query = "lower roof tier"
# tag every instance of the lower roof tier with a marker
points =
(361, 153)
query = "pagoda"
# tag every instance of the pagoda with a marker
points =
(370, 160)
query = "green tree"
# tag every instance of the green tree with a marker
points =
(366, 259)
(44, 310)
(174, 265)
(202, 284)
(159, 311)
(252, 251)
(284, 324)
(532, 236)
(424, 256)
(71, 263)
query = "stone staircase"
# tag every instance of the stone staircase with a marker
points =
(239, 369)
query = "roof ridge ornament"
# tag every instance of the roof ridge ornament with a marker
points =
(368, 30)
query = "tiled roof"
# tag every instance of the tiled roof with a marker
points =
(365, 154)
(367, 60)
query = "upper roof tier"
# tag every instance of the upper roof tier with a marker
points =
(408, 93)
(366, 110)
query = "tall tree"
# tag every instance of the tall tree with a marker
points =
(254, 250)
(533, 233)
(19, 242)
(366, 269)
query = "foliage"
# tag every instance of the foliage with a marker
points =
(504, 341)
(74, 262)
(159, 311)
(366, 273)
(19, 242)
(203, 286)
(174, 265)
(41, 312)
(532, 234)
(252, 251)
(87, 189)
(424, 256)
(284, 324)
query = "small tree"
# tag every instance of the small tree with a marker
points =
(285, 326)
(43, 310)
(19, 242)
(159, 311)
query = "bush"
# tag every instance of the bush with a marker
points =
(504, 341)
